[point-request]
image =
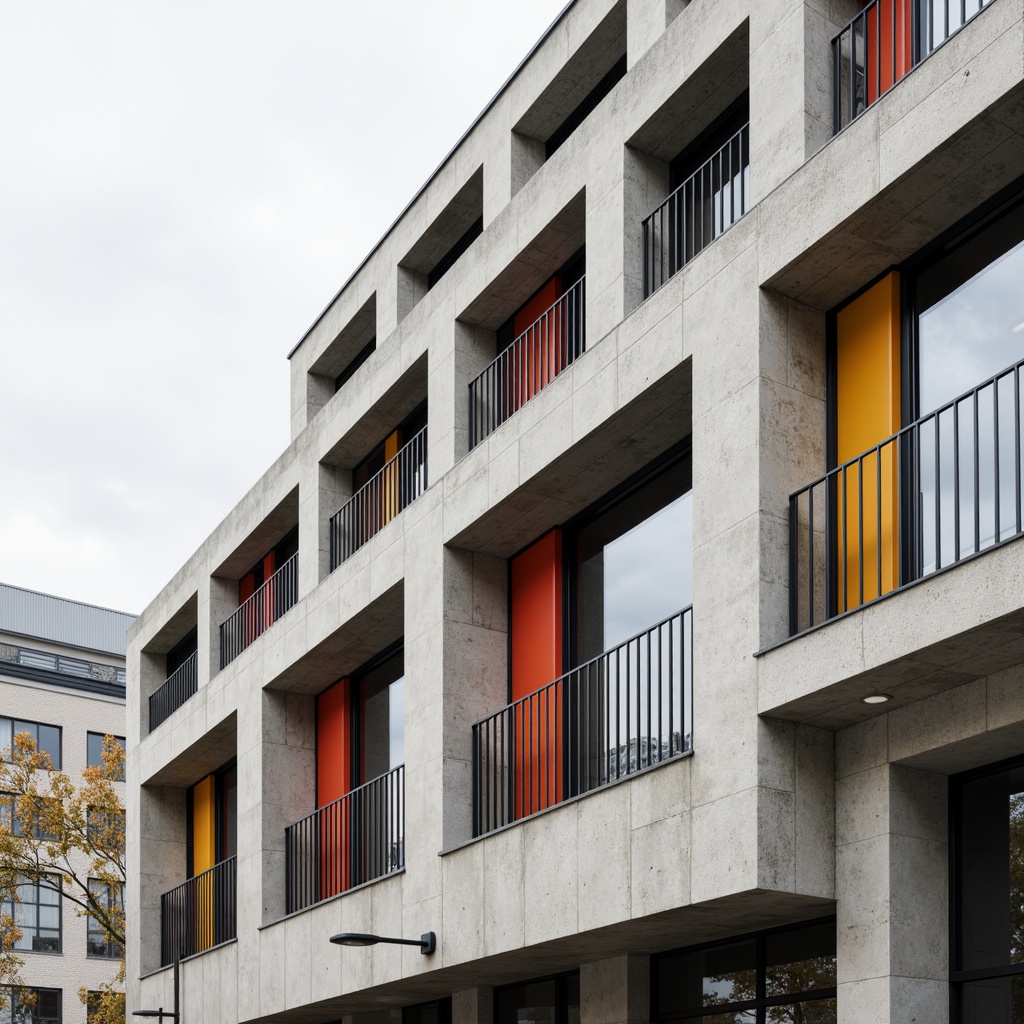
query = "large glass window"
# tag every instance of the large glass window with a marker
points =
(36, 911)
(969, 302)
(988, 894)
(634, 562)
(786, 976)
(111, 899)
(31, 1005)
(45, 737)
(381, 695)
(544, 1001)
(94, 751)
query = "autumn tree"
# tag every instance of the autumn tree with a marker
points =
(68, 837)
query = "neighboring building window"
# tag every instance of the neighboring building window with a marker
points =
(8, 804)
(783, 975)
(92, 1006)
(31, 1005)
(45, 737)
(987, 810)
(36, 911)
(94, 745)
(105, 831)
(111, 898)
(543, 1001)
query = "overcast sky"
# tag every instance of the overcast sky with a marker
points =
(183, 187)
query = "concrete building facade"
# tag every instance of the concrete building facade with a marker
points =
(638, 603)
(62, 680)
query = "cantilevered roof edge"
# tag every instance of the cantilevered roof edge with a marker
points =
(462, 138)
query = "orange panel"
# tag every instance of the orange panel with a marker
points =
(390, 490)
(868, 350)
(204, 855)
(536, 624)
(540, 354)
(887, 63)
(269, 605)
(333, 781)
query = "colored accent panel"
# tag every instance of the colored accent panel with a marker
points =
(333, 782)
(536, 624)
(390, 490)
(888, 52)
(868, 350)
(539, 353)
(269, 604)
(204, 855)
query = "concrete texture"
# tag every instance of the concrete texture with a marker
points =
(799, 800)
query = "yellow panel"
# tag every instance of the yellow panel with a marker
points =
(391, 478)
(203, 825)
(868, 353)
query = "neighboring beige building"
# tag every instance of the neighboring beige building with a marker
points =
(639, 604)
(62, 679)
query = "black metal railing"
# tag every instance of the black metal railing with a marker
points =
(534, 359)
(353, 840)
(200, 913)
(626, 710)
(393, 488)
(942, 489)
(260, 611)
(883, 42)
(709, 202)
(178, 687)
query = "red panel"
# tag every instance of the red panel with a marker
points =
(539, 354)
(334, 780)
(536, 626)
(246, 586)
(333, 743)
(887, 59)
(540, 303)
(537, 615)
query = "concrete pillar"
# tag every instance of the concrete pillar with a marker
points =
(616, 991)
(605, 217)
(892, 892)
(218, 598)
(646, 185)
(322, 491)
(473, 1006)
(474, 349)
(646, 20)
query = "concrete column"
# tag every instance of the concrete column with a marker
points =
(605, 218)
(288, 785)
(474, 350)
(250, 912)
(322, 491)
(892, 891)
(152, 675)
(646, 20)
(616, 991)
(473, 1006)
(218, 598)
(646, 185)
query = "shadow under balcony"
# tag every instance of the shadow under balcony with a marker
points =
(179, 686)
(623, 712)
(259, 611)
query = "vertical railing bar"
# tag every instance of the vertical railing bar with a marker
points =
(977, 494)
(956, 481)
(995, 450)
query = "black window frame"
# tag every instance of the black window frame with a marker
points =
(562, 1003)
(7, 907)
(415, 1014)
(762, 1002)
(90, 762)
(95, 934)
(959, 977)
(219, 839)
(18, 1014)
(56, 764)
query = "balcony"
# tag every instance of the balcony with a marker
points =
(178, 688)
(260, 611)
(943, 489)
(708, 203)
(625, 711)
(386, 494)
(534, 359)
(884, 42)
(199, 914)
(356, 839)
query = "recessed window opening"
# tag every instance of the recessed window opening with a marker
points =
(543, 1001)
(589, 104)
(364, 353)
(451, 257)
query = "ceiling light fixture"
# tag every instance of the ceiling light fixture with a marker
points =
(877, 698)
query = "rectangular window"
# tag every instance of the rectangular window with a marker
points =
(31, 1005)
(437, 1012)
(788, 974)
(987, 810)
(94, 752)
(45, 737)
(544, 1001)
(36, 911)
(31, 817)
(110, 899)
